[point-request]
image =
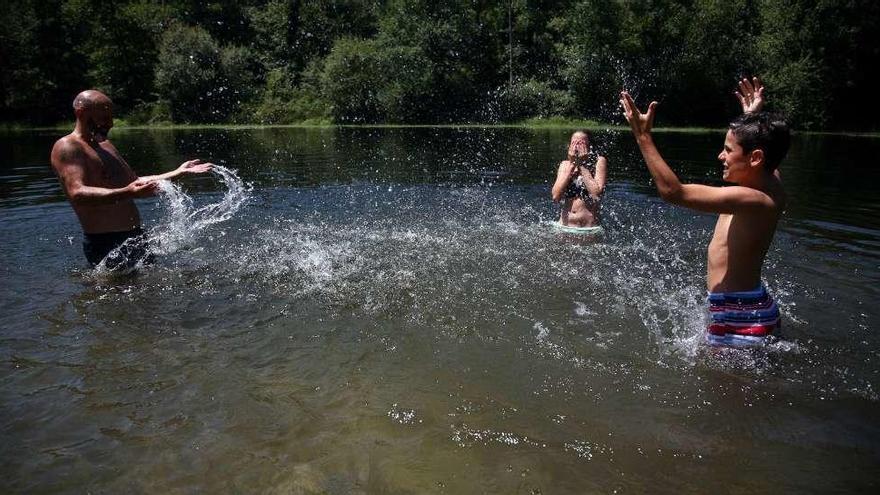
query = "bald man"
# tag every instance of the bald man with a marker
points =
(102, 187)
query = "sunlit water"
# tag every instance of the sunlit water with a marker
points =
(373, 311)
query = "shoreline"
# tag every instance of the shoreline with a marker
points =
(528, 124)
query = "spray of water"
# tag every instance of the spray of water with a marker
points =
(181, 223)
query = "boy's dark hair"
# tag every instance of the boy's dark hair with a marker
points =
(765, 131)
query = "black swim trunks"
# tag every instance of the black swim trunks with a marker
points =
(133, 249)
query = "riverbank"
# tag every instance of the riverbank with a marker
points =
(534, 123)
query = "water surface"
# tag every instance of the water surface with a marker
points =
(387, 310)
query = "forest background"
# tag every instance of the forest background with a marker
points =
(436, 62)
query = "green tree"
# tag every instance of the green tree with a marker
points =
(202, 81)
(422, 61)
(533, 98)
(535, 41)
(816, 57)
(225, 20)
(592, 52)
(708, 62)
(283, 102)
(407, 77)
(792, 60)
(120, 44)
(458, 42)
(351, 78)
(36, 42)
(291, 34)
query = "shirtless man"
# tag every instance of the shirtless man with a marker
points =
(578, 189)
(102, 187)
(742, 312)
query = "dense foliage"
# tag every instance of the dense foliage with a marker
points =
(421, 61)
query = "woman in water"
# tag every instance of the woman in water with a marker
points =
(579, 188)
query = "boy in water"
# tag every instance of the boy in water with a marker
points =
(742, 312)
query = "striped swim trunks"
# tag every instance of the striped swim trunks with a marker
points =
(741, 319)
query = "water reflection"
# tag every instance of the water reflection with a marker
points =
(827, 175)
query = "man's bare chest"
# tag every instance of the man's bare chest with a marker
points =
(105, 169)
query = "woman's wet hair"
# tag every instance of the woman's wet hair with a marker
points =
(584, 132)
(765, 131)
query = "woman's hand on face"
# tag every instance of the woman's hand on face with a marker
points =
(577, 149)
(569, 169)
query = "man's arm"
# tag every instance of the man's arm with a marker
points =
(68, 162)
(698, 197)
(190, 167)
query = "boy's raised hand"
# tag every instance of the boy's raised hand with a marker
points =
(751, 95)
(640, 123)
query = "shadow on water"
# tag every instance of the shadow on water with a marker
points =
(389, 310)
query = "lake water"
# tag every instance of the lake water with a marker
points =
(388, 311)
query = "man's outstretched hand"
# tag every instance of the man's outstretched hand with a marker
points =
(640, 123)
(195, 167)
(751, 95)
(142, 188)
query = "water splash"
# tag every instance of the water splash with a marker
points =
(181, 223)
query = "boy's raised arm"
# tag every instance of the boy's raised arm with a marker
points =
(695, 196)
(750, 95)
(641, 124)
